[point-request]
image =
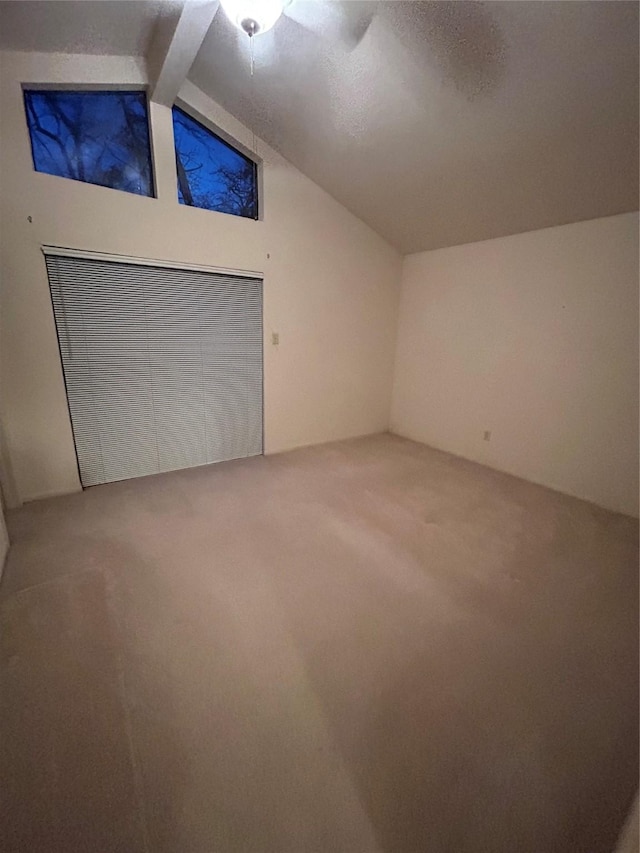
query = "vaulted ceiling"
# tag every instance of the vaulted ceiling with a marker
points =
(437, 123)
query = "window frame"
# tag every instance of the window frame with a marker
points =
(88, 88)
(228, 140)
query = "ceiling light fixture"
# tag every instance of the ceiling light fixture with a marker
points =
(253, 16)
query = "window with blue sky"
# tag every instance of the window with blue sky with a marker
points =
(211, 173)
(96, 137)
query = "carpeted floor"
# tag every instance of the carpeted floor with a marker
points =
(361, 647)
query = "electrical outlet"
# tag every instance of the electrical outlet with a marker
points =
(275, 338)
(487, 435)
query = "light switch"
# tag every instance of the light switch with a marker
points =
(275, 338)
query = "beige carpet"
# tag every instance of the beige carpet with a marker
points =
(361, 647)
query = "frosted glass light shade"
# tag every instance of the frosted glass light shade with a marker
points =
(253, 16)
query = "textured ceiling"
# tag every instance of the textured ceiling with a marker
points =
(444, 123)
(435, 122)
(111, 27)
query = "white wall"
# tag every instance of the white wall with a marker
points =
(331, 285)
(535, 338)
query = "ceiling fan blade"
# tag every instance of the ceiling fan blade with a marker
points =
(343, 22)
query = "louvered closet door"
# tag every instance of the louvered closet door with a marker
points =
(163, 367)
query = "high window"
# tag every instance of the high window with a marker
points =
(211, 173)
(96, 137)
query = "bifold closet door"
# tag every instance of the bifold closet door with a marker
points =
(163, 367)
